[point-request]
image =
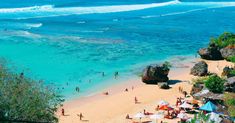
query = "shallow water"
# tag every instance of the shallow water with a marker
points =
(69, 43)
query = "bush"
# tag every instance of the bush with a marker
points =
(215, 84)
(224, 40)
(24, 99)
(232, 59)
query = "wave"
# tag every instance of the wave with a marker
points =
(34, 25)
(212, 5)
(50, 10)
(20, 33)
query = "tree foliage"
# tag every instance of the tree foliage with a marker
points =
(24, 99)
(215, 84)
(224, 40)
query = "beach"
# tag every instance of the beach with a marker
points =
(114, 107)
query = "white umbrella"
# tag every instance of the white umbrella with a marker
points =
(162, 102)
(156, 117)
(185, 105)
(182, 116)
(140, 116)
(215, 117)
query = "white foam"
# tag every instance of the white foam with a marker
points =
(26, 9)
(34, 25)
(49, 10)
(209, 5)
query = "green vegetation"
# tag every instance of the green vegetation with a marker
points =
(199, 80)
(23, 99)
(224, 40)
(215, 84)
(167, 65)
(232, 59)
(229, 100)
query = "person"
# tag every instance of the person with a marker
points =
(22, 75)
(136, 100)
(161, 122)
(62, 111)
(77, 89)
(132, 87)
(80, 116)
(102, 74)
(106, 93)
(185, 93)
(144, 112)
(157, 107)
(115, 75)
(128, 116)
(126, 90)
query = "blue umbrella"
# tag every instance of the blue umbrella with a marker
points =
(209, 106)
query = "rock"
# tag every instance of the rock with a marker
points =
(163, 85)
(229, 85)
(155, 74)
(210, 53)
(200, 69)
(227, 71)
(227, 52)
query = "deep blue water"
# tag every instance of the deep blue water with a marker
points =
(73, 41)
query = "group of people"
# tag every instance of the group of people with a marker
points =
(79, 115)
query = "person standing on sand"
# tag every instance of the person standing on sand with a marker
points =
(80, 116)
(136, 100)
(62, 111)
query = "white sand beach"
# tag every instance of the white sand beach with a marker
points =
(114, 107)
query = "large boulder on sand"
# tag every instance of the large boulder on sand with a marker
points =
(229, 85)
(155, 74)
(227, 52)
(210, 53)
(199, 69)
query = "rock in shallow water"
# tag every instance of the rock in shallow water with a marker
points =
(155, 74)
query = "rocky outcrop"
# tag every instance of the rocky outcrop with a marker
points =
(200, 69)
(229, 85)
(155, 74)
(163, 85)
(227, 52)
(210, 53)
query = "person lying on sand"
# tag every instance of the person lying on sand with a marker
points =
(106, 93)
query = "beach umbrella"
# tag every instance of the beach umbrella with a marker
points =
(182, 116)
(215, 117)
(209, 106)
(193, 101)
(156, 117)
(185, 105)
(140, 115)
(165, 107)
(162, 102)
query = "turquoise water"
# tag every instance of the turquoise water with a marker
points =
(68, 43)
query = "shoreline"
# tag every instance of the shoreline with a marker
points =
(134, 81)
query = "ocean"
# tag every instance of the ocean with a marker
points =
(70, 43)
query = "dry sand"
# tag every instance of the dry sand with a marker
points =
(114, 107)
